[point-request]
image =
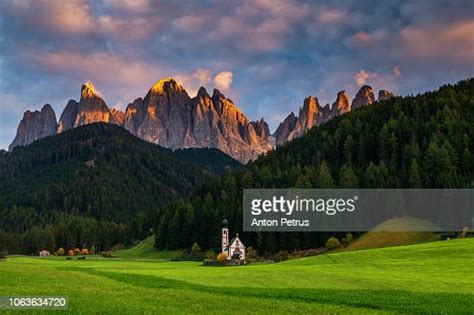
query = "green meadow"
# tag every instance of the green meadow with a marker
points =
(436, 277)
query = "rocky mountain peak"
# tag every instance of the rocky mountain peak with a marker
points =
(385, 95)
(88, 90)
(166, 85)
(365, 96)
(261, 128)
(35, 125)
(342, 104)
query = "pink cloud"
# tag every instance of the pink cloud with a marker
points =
(455, 41)
(363, 76)
(223, 80)
(330, 16)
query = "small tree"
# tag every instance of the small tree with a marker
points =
(333, 243)
(348, 238)
(61, 251)
(195, 249)
(210, 255)
(222, 257)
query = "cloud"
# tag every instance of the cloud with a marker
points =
(330, 16)
(192, 82)
(363, 76)
(223, 80)
(56, 17)
(438, 41)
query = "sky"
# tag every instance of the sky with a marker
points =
(265, 55)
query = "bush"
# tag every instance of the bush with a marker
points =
(70, 253)
(464, 232)
(333, 243)
(61, 251)
(85, 251)
(82, 257)
(210, 255)
(92, 251)
(222, 257)
(195, 249)
(348, 238)
(77, 251)
(68, 258)
(3, 254)
(107, 254)
(251, 253)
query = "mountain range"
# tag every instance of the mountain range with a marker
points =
(168, 116)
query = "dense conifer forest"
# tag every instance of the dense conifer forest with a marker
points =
(415, 141)
(94, 185)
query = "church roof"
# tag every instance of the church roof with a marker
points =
(234, 239)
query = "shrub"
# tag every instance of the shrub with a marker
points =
(348, 238)
(92, 251)
(107, 254)
(3, 254)
(61, 251)
(333, 243)
(251, 253)
(82, 257)
(280, 256)
(222, 257)
(210, 255)
(70, 253)
(85, 251)
(68, 258)
(195, 249)
(77, 251)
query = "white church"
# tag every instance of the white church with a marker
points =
(234, 249)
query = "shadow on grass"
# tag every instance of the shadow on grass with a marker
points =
(388, 300)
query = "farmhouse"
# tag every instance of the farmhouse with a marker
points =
(234, 249)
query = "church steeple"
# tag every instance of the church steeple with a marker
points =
(225, 237)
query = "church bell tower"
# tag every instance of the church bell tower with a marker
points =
(225, 237)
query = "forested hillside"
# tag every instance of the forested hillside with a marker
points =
(416, 141)
(96, 184)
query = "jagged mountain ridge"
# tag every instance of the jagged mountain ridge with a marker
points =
(168, 116)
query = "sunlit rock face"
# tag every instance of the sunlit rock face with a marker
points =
(118, 116)
(310, 115)
(169, 117)
(342, 104)
(385, 95)
(90, 109)
(35, 125)
(365, 96)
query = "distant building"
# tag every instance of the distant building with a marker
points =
(234, 249)
(44, 253)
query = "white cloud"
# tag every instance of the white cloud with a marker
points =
(223, 80)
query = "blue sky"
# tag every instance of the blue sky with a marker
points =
(267, 56)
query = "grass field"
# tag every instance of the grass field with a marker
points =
(144, 250)
(435, 277)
